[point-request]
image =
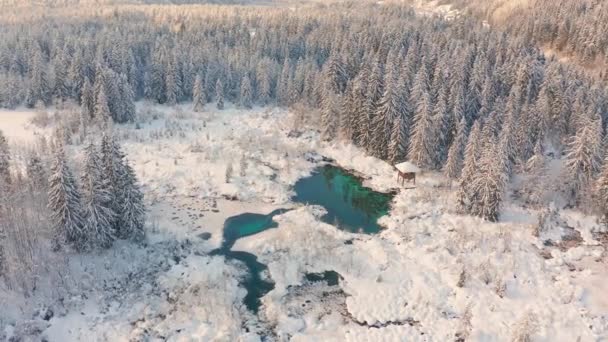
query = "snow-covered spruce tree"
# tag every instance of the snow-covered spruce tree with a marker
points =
(537, 161)
(345, 130)
(126, 111)
(583, 159)
(246, 97)
(65, 204)
(97, 201)
(489, 181)
(397, 147)
(132, 215)
(61, 90)
(198, 94)
(36, 173)
(282, 86)
(87, 99)
(472, 152)
(356, 105)
(219, 94)
(112, 166)
(5, 159)
(76, 75)
(101, 112)
(443, 126)
(39, 89)
(330, 114)
(172, 82)
(375, 90)
(423, 139)
(601, 193)
(264, 88)
(392, 107)
(453, 164)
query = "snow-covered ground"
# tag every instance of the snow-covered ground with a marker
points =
(432, 275)
(17, 127)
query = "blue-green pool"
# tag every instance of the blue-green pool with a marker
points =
(349, 206)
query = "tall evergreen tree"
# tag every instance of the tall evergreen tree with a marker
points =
(246, 93)
(453, 165)
(472, 153)
(132, 214)
(392, 107)
(198, 94)
(65, 203)
(88, 99)
(97, 201)
(5, 159)
(101, 112)
(601, 193)
(219, 94)
(583, 159)
(423, 139)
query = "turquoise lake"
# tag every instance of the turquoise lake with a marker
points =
(350, 206)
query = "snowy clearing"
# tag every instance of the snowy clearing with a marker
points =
(432, 275)
(17, 126)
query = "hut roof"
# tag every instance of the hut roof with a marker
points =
(407, 167)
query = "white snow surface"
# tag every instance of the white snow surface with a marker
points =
(411, 282)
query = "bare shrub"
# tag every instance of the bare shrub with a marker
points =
(525, 328)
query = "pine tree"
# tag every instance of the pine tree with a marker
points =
(356, 106)
(39, 85)
(375, 90)
(392, 107)
(489, 182)
(443, 128)
(132, 214)
(198, 94)
(87, 99)
(601, 192)
(101, 112)
(65, 204)
(61, 88)
(97, 200)
(36, 173)
(423, 139)
(397, 148)
(112, 167)
(173, 86)
(537, 161)
(470, 166)
(282, 91)
(264, 89)
(219, 94)
(453, 165)
(246, 92)
(123, 108)
(583, 159)
(330, 114)
(5, 159)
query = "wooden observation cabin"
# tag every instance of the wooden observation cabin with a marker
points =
(406, 171)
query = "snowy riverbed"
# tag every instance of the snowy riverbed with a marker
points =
(432, 275)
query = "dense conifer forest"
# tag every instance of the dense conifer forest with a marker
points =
(447, 95)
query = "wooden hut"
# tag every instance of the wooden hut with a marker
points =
(406, 171)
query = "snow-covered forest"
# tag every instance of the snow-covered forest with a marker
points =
(451, 96)
(484, 110)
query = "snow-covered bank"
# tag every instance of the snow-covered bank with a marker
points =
(432, 275)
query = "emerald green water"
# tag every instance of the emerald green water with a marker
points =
(239, 226)
(350, 206)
